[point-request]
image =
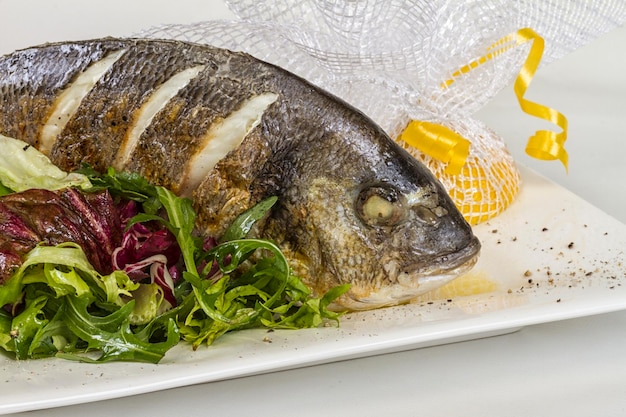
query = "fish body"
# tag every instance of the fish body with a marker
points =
(229, 130)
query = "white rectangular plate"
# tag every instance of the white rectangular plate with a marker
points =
(550, 256)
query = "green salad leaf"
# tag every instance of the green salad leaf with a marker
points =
(112, 335)
(242, 225)
(23, 167)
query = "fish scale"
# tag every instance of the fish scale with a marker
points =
(231, 130)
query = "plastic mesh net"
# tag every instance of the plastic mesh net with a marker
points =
(389, 58)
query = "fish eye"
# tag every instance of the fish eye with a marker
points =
(380, 206)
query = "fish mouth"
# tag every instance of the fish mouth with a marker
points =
(404, 284)
(441, 268)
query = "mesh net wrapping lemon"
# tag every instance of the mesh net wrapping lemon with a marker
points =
(488, 182)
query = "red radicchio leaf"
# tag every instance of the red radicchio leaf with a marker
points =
(149, 251)
(33, 216)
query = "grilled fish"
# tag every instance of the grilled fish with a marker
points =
(228, 130)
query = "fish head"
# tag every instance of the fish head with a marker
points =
(386, 226)
(419, 240)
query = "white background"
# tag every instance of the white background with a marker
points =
(570, 368)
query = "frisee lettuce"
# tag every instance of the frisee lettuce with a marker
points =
(57, 304)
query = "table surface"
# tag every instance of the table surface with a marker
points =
(569, 368)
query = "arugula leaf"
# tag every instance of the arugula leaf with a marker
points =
(129, 185)
(112, 335)
(244, 222)
(181, 223)
(265, 293)
(26, 325)
(230, 255)
(5, 330)
(53, 337)
(182, 220)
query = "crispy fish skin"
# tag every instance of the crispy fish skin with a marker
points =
(353, 206)
(27, 91)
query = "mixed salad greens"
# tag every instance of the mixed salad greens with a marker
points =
(165, 282)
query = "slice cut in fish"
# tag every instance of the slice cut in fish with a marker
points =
(224, 136)
(68, 101)
(158, 100)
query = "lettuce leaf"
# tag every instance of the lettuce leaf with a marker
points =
(23, 167)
